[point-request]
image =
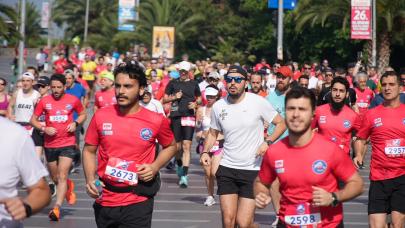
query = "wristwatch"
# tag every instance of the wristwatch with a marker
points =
(335, 200)
(28, 209)
(269, 142)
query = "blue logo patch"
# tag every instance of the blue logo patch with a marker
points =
(319, 166)
(69, 107)
(146, 133)
(403, 121)
(347, 124)
(334, 139)
(300, 209)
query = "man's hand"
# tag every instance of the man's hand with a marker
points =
(178, 95)
(50, 131)
(15, 207)
(205, 159)
(320, 197)
(262, 200)
(358, 161)
(71, 127)
(147, 172)
(262, 149)
(192, 105)
(92, 190)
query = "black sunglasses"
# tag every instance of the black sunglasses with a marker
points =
(237, 79)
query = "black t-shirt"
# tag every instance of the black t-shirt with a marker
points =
(190, 90)
(325, 96)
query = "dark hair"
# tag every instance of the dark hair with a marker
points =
(58, 77)
(33, 68)
(341, 81)
(215, 87)
(402, 71)
(340, 71)
(391, 73)
(4, 80)
(304, 76)
(298, 92)
(134, 70)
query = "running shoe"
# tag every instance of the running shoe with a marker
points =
(52, 186)
(179, 171)
(54, 214)
(183, 182)
(209, 201)
(70, 195)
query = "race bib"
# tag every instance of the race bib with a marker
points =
(394, 147)
(58, 118)
(121, 171)
(188, 121)
(303, 214)
(362, 105)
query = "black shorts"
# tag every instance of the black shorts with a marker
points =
(38, 137)
(387, 195)
(90, 83)
(53, 154)
(180, 132)
(235, 181)
(134, 215)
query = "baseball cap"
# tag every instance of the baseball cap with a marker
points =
(68, 71)
(213, 75)
(107, 74)
(28, 75)
(44, 80)
(285, 71)
(209, 91)
(237, 69)
(184, 65)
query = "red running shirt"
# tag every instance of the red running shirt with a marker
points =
(386, 129)
(59, 114)
(320, 163)
(364, 99)
(337, 127)
(105, 98)
(130, 138)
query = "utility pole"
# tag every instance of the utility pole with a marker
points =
(86, 21)
(374, 42)
(21, 43)
(280, 30)
(49, 26)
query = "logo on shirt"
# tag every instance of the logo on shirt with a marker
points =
(124, 164)
(48, 106)
(347, 124)
(319, 166)
(223, 114)
(378, 122)
(396, 142)
(146, 133)
(322, 119)
(334, 139)
(403, 121)
(107, 129)
(300, 209)
(279, 165)
(69, 107)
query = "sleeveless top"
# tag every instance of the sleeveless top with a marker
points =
(4, 104)
(24, 106)
(206, 120)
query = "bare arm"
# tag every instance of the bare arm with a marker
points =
(209, 142)
(359, 149)
(168, 98)
(10, 108)
(261, 192)
(279, 129)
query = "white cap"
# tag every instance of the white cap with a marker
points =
(184, 65)
(28, 75)
(209, 91)
(214, 74)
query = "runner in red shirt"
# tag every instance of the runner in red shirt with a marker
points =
(60, 64)
(364, 94)
(126, 164)
(106, 96)
(336, 121)
(60, 142)
(308, 167)
(385, 125)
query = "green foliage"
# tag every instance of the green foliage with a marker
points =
(8, 18)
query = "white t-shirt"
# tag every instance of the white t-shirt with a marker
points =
(18, 162)
(313, 82)
(242, 126)
(154, 106)
(24, 106)
(271, 83)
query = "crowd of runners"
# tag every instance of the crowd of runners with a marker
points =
(293, 135)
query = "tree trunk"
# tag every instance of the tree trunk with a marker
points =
(369, 50)
(384, 52)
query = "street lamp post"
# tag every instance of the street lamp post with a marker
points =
(21, 42)
(86, 21)
(280, 30)
(374, 41)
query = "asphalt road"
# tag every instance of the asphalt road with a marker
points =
(174, 207)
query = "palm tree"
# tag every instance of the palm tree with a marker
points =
(390, 21)
(8, 25)
(32, 25)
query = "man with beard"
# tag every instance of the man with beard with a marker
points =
(309, 168)
(126, 162)
(60, 143)
(385, 126)
(106, 96)
(240, 117)
(256, 84)
(336, 121)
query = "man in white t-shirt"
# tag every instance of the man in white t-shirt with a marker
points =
(240, 117)
(19, 162)
(150, 103)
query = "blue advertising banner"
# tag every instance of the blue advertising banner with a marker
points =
(126, 13)
(287, 4)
